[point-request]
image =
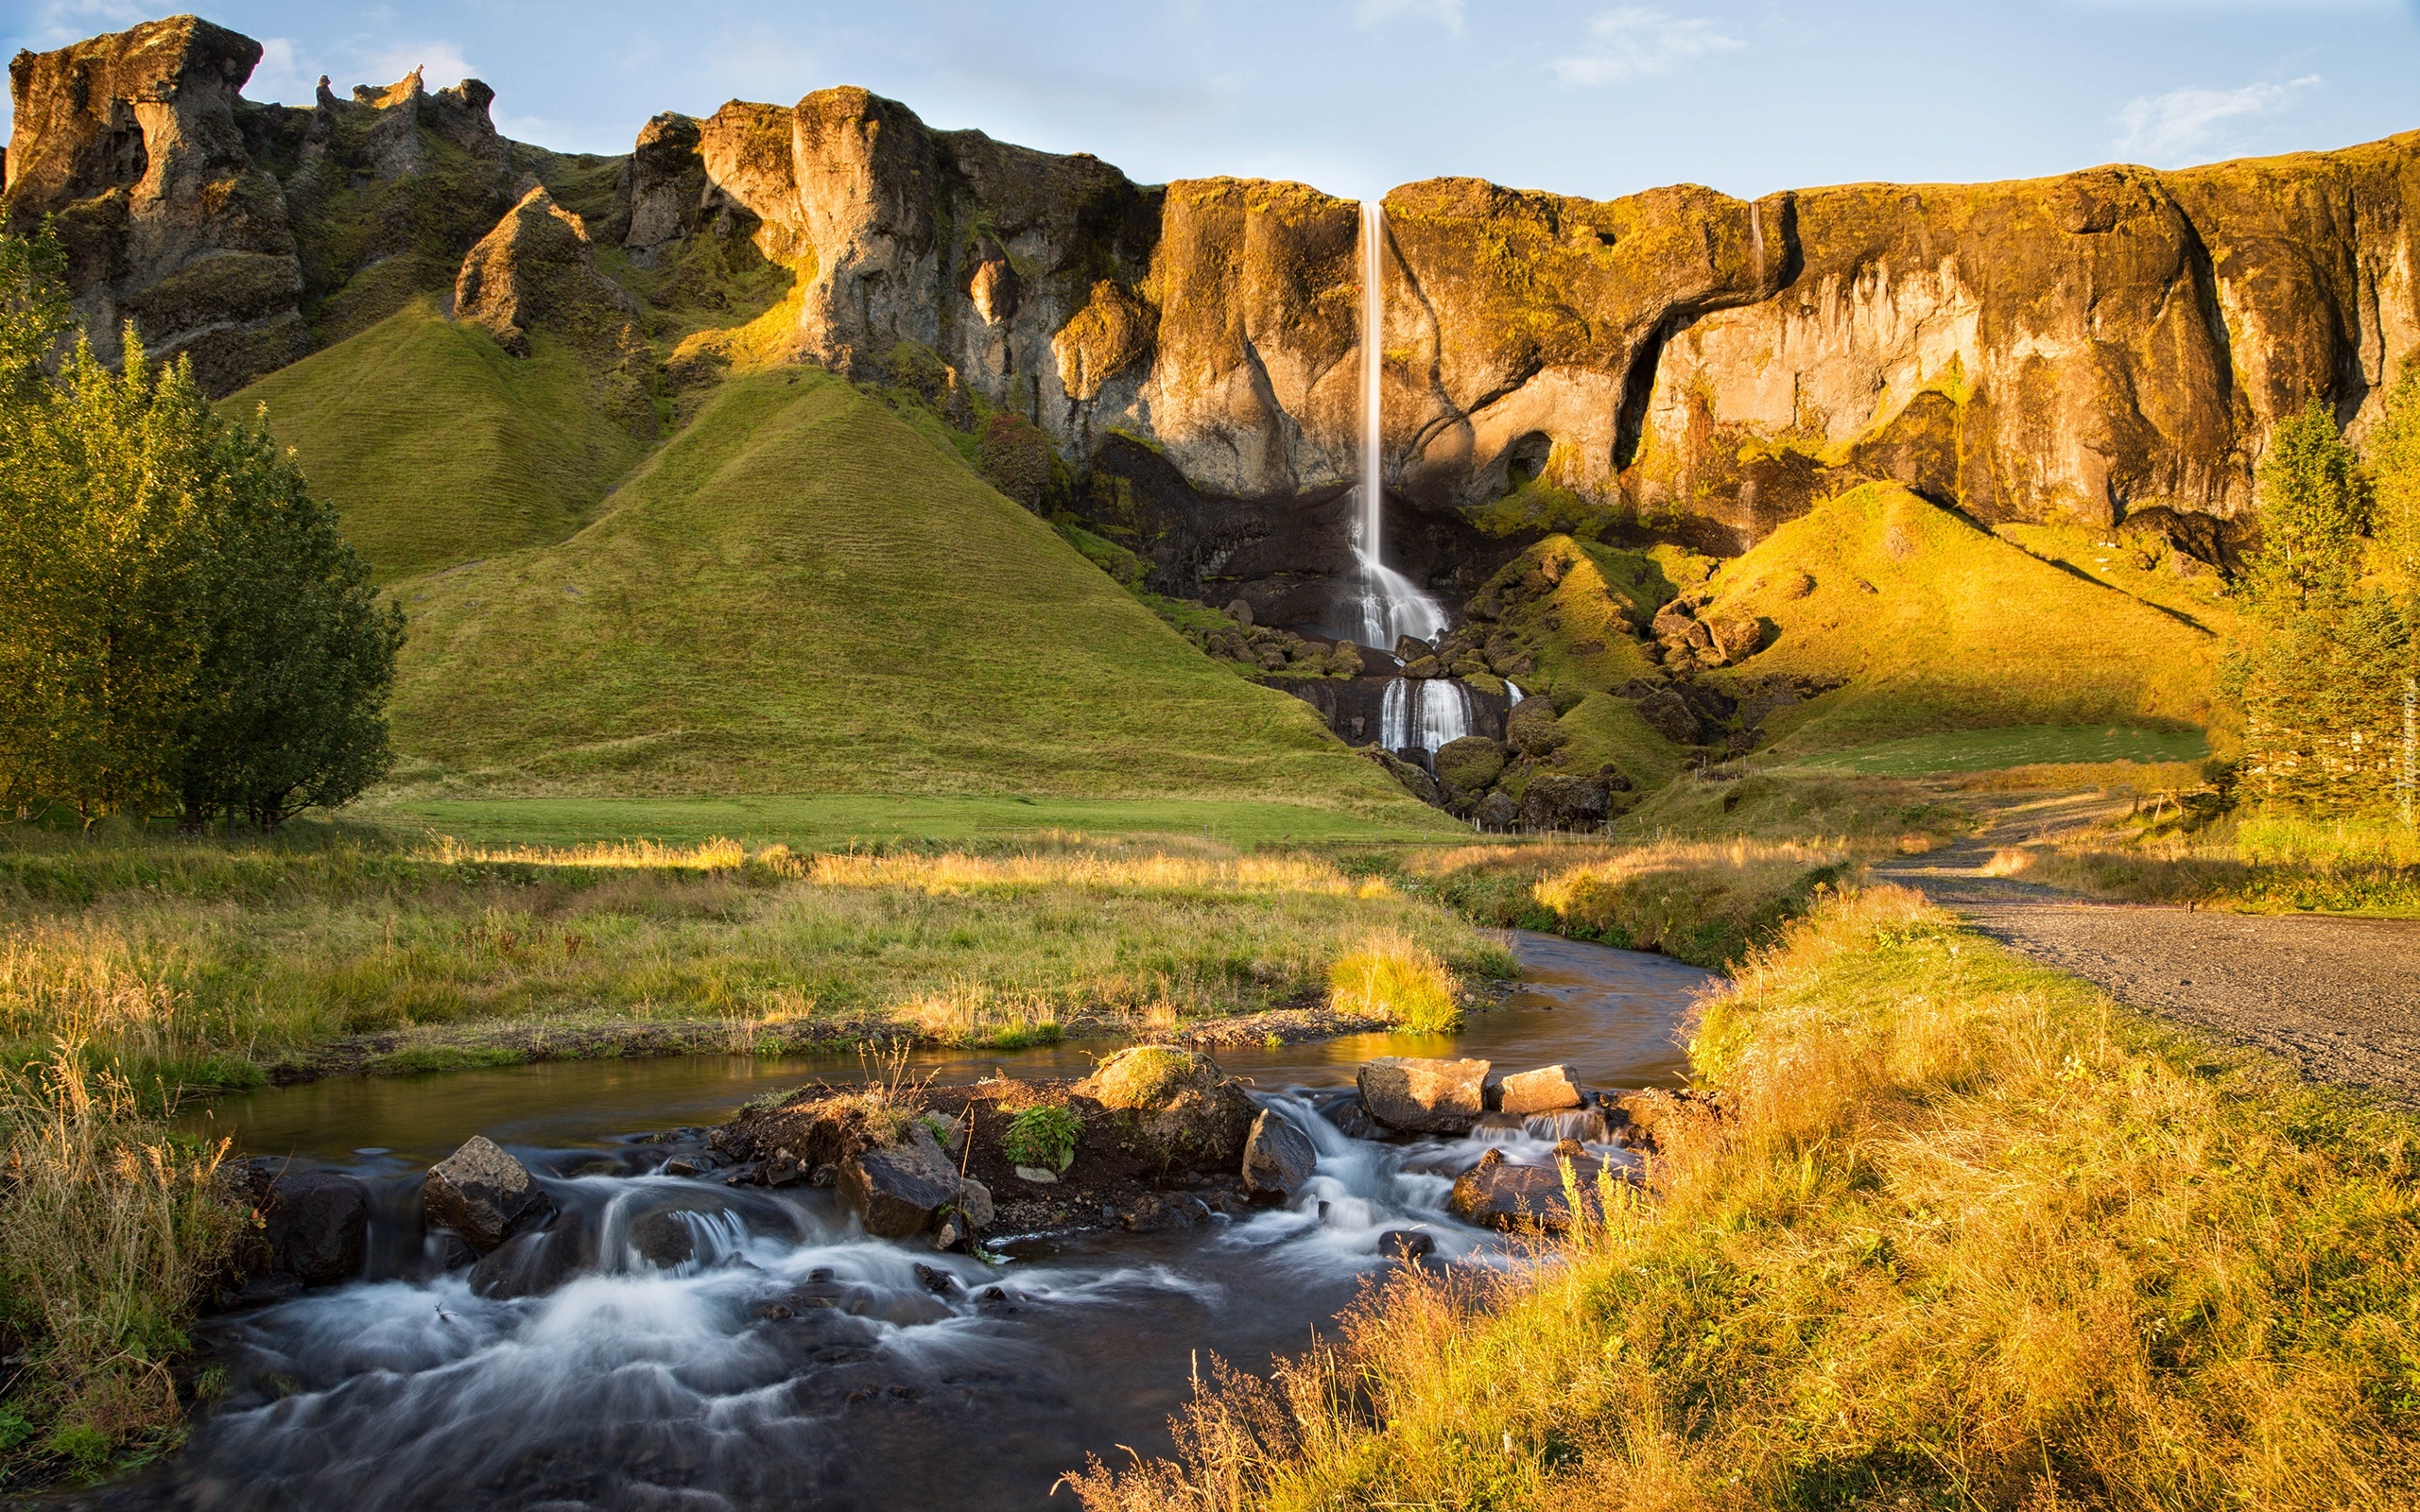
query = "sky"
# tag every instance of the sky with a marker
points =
(1577, 96)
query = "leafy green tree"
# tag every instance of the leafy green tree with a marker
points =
(2322, 676)
(297, 654)
(99, 648)
(2313, 508)
(181, 622)
(2394, 469)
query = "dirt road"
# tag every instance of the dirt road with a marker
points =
(2341, 997)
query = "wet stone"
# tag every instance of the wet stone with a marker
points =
(1278, 1157)
(484, 1195)
(1425, 1096)
(897, 1189)
(1405, 1243)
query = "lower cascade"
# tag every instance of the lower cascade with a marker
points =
(1423, 713)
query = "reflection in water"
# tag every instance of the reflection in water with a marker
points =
(773, 1356)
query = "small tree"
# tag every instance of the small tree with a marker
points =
(2395, 468)
(297, 655)
(2313, 508)
(180, 621)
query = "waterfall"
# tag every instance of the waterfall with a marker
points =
(1391, 603)
(1421, 713)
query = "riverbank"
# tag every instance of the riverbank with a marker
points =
(209, 965)
(1968, 1228)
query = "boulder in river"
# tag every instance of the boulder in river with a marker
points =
(1547, 1089)
(897, 1188)
(1425, 1096)
(484, 1195)
(537, 1261)
(316, 1226)
(1277, 1156)
(1177, 1104)
(1406, 1245)
(1496, 1193)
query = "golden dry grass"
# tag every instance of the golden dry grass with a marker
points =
(201, 963)
(1391, 977)
(1964, 1233)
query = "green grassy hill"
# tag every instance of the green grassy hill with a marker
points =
(439, 447)
(798, 594)
(1939, 625)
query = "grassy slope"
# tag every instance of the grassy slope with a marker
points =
(439, 447)
(798, 594)
(1964, 1233)
(1983, 751)
(1939, 625)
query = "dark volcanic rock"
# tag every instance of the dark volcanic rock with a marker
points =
(1552, 802)
(484, 1195)
(316, 1226)
(1405, 1243)
(1425, 1096)
(896, 1189)
(1496, 1194)
(1277, 1156)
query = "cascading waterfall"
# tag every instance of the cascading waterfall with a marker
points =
(1417, 716)
(1391, 603)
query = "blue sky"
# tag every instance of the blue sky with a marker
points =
(1354, 96)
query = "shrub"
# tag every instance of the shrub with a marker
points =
(1391, 976)
(1043, 1136)
(109, 1231)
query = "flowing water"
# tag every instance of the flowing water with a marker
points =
(1391, 603)
(773, 1355)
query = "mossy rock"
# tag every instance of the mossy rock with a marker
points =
(1471, 763)
(1530, 727)
(1176, 1104)
(1147, 1078)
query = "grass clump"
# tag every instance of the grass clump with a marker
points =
(110, 1229)
(1964, 1232)
(1043, 1136)
(1396, 979)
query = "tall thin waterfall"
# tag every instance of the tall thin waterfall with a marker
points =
(1391, 603)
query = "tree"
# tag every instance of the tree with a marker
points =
(2324, 677)
(296, 655)
(181, 622)
(2313, 508)
(2395, 467)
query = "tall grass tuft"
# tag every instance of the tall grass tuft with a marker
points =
(109, 1231)
(1961, 1232)
(1394, 978)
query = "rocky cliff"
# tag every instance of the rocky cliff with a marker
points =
(2111, 346)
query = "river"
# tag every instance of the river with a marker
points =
(637, 1387)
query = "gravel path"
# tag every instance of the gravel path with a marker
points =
(2340, 997)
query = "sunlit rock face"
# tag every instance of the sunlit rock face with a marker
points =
(2110, 346)
(131, 141)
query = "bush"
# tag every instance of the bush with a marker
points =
(1043, 1137)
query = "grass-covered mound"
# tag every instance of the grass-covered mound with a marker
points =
(1939, 625)
(438, 447)
(798, 594)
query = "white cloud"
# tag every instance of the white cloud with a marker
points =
(1636, 41)
(282, 74)
(2184, 124)
(1447, 13)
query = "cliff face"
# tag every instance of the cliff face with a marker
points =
(2113, 345)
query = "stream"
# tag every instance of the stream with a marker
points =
(786, 1359)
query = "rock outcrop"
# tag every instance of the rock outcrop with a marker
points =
(2109, 345)
(129, 142)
